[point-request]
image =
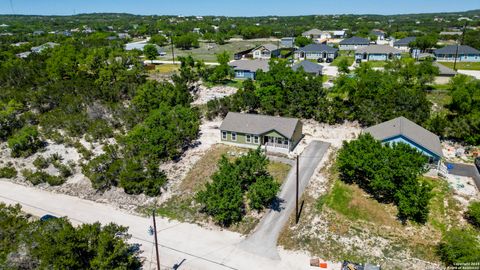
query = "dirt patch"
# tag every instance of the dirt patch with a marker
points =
(205, 94)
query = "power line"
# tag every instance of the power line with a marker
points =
(132, 236)
(11, 6)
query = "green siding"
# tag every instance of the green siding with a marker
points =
(241, 138)
(273, 133)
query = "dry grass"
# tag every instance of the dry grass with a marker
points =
(167, 68)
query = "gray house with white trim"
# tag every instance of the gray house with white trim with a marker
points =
(309, 67)
(377, 53)
(353, 43)
(464, 53)
(316, 51)
(278, 134)
(403, 44)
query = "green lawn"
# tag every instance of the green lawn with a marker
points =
(463, 65)
(377, 64)
(339, 58)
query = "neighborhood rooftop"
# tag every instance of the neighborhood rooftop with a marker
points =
(355, 41)
(318, 48)
(404, 41)
(378, 49)
(250, 65)
(452, 49)
(308, 67)
(259, 124)
(401, 126)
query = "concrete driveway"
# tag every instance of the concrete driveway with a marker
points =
(467, 170)
(263, 241)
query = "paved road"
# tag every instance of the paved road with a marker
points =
(191, 246)
(146, 62)
(467, 170)
(263, 241)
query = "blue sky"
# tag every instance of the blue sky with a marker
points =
(234, 8)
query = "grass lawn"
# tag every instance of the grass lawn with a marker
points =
(208, 54)
(166, 68)
(347, 224)
(463, 65)
(183, 207)
(377, 64)
(237, 83)
(339, 58)
(439, 99)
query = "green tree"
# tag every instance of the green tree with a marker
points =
(9, 120)
(137, 178)
(159, 40)
(343, 65)
(150, 51)
(302, 41)
(262, 192)
(223, 71)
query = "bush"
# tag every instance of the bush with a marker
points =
(8, 172)
(459, 246)
(473, 214)
(40, 177)
(64, 170)
(41, 163)
(103, 170)
(262, 192)
(135, 179)
(25, 142)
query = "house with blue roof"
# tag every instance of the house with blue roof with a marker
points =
(353, 43)
(309, 67)
(247, 69)
(403, 44)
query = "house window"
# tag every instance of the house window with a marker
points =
(240, 74)
(256, 140)
(234, 136)
(224, 135)
(249, 138)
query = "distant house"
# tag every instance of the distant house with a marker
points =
(464, 53)
(23, 54)
(403, 44)
(377, 53)
(287, 42)
(38, 32)
(123, 35)
(196, 30)
(353, 43)
(402, 130)
(243, 54)
(339, 34)
(316, 51)
(451, 33)
(39, 49)
(279, 134)
(317, 34)
(247, 69)
(141, 45)
(309, 67)
(265, 51)
(379, 34)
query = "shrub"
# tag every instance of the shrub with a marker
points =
(25, 142)
(135, 179)
(8, 172)
(41, 163)
(459, 246)
(473, 214)
(40, 177)
(64, 170)
(262, 192)
(103, 170)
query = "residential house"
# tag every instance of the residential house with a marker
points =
(140, 45)
(339, 34)
(316, 51)
(353, 43)
(379, 34)
(403, 44)
(23, 54)
(377, 53)
(309, 67)
(317, 34)
(287, 42)
(243, 54)
(277, 134)
(451, 33)
(247, 69)
(463, 53)
(38, 32)
(402, 130)
(39, 49)
(196, 30)
(265, 51)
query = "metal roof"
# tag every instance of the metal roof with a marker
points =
(318, 48)
(250, 65)
(355, 41)
(452, 49)
(257, 124)
(308, 67)
(408, 129)
(404, 41)
(378, 49)
(314, 32)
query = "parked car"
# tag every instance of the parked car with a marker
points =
(329, 60)
(320, 60)
(47, 217)
(358, 61)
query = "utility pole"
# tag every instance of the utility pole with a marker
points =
(156, 240)
(458, 45)
(171, 42)
(296, 196)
